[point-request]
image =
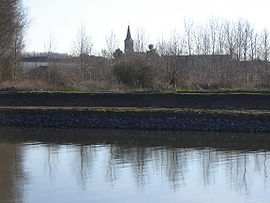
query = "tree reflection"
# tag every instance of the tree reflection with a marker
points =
(52, 160)
(135, 157)
(84, 162)
(209, 160)
(139, 160)
(175, 164)
(112, 165)
(11, 173)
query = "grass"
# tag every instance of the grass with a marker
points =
(182, 92)
(51, 92)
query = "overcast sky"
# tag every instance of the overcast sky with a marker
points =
(159, 18)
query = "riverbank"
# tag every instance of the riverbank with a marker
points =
(188, 111)
(137, 118)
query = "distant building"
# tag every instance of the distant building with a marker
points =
(129, 49)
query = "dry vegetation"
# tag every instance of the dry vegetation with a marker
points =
(222, 54)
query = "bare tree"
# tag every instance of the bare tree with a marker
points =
(18, 45)
(229, 36)
(253, 44)
(206, 42)
(112, 43)
(83, 48)
(188, 25)
(141, 41)
(240, 38)
(246, 39)
(221, 38)
(12, 25)
(213, 28)
(175, 44)
(50, 47)
(265, 45)
(162, 47)
(198, 42)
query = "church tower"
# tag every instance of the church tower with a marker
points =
(128, 43)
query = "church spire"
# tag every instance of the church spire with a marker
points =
(128, 43)
(128, 34)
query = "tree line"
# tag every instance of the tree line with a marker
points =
(12, 26)
(218, 36)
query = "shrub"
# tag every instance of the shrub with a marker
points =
(134, 73)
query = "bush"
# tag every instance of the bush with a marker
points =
(134, 73)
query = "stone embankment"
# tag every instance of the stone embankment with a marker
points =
(132, 120)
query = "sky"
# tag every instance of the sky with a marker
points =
(60, 20)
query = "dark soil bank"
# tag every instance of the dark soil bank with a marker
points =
(200, 101)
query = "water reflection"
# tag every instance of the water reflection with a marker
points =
(51, 161)
(102, 165)
(175, 165)
(83, 164)
(12, 175)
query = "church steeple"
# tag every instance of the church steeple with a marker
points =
(128, 43)
(128, 34)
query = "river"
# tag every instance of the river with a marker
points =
(67, 166)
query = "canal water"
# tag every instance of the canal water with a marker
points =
(67, 166)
